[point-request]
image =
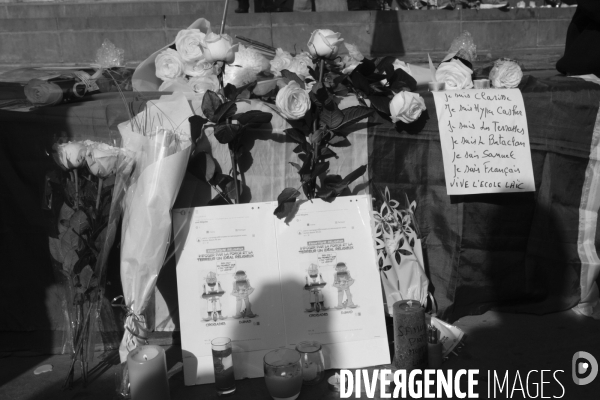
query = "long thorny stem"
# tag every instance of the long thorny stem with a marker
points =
(316, 143)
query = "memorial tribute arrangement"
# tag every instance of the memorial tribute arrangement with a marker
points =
(274, 273)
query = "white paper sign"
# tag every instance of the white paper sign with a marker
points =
(485, 141)
(244, 274)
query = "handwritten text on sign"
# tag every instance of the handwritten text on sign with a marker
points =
(485, 141)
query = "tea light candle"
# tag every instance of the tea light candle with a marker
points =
(148, 373)
(436, 86)
(481, 83)
(334, 383)
(410, 335)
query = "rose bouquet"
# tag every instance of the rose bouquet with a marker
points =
(80, 198)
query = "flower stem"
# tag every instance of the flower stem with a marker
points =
(316, 150)
(100, 182)
(75, 174)
(235, 175)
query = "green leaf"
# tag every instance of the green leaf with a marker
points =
(319, 169)
(293, 77)
(210, 103)
(306, 166)
(253, 117)
(264, 87)
(295, 135)
(354, 175)
(385, 64)
(56, 249)
(202, 166)
(79, 221)
(339, 141)
(288, 194)
(354, 114)
(71, 258)
(284, 210)
(85, 276)
(366, 67)
(326, 153)
(360, 82)
(332, 117)
(380, 103)
(317, 136)
(232, 92)
(295, 165)
(225, 111)
(226, 133)
(400, 79)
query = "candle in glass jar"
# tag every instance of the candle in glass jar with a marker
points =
(410, 335)
(148, 373)
(283, 374)
(284, 387)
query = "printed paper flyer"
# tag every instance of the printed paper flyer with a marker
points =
(246, 275)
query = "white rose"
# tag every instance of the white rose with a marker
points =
(324, 43)
(70, 155)
(101, 159)
(455, 75)
(282, 61)
(406, 107)
(506, 74)
(199, 68)
(300, 65)
(169, 65)
(250, 58)
(292, 101)
(201, 84)
(219, 48)
(188, 42)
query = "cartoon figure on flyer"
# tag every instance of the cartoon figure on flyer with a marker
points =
(213, 297)
(242, 291)
(314, 284)
(342, 281)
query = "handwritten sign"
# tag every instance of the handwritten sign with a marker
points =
(485, 141)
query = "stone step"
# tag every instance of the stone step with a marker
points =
(66, 37)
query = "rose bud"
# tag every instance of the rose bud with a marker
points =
(219, 48)
(70, 155)
(324, 43)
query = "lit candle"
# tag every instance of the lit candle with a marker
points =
(148, 373)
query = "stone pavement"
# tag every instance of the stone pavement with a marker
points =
(494, 341)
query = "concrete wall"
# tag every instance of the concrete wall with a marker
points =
(70, 33)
